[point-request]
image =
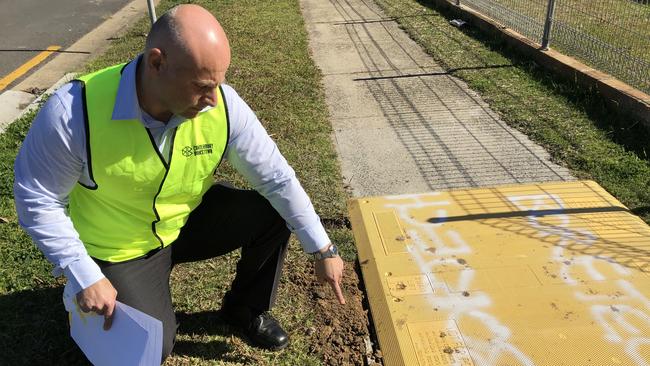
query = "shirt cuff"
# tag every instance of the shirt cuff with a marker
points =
(82, 273)
(313, 238)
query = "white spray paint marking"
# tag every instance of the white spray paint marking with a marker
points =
(612, 317)
(446, 244)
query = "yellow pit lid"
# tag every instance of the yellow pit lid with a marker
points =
(541, 274)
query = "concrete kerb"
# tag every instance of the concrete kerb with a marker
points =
(12, 105)
(14, 101)
(15, 104)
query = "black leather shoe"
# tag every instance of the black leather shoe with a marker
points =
(263, 330)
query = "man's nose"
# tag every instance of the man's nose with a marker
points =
(211, 97)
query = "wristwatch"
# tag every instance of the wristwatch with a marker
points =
(331, 252)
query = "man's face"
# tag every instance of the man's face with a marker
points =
(188, 86)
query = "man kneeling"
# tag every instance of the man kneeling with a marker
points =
(114, 182)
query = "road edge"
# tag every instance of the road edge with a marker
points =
(16, 102)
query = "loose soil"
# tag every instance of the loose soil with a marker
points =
(339, 331)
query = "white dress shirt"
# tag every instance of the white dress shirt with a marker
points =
(53, 159)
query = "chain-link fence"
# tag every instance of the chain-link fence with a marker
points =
(610, 35)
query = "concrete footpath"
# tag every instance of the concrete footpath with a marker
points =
(401, 123)
(525, 275)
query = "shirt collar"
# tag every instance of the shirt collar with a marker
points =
(126, 100)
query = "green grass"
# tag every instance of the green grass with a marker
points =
(271, 69)
(611, 35)
(569, 121)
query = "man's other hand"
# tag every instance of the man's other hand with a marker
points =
(99, 298)
(331, 270)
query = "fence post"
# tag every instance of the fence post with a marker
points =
(548, 24)
(152, 11)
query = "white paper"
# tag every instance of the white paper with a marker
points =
(135, 338)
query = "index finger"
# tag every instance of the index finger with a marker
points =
(108, 316)
(337, 291)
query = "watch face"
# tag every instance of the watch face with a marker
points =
(331, 252)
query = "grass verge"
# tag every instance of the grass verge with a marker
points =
(592, 32)
(571, 122)
(271, 69)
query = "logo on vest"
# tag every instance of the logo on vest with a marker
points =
(197, 150)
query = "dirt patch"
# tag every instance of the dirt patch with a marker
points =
(340, 332)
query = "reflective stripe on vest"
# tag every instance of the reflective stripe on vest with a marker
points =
(139, 201)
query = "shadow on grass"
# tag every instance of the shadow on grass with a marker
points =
(616, 124)
(34, 330)
(641, 211)
(206, 323)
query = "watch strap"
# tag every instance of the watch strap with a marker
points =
(331, 252)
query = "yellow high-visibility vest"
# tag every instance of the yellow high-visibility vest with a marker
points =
(139, 202)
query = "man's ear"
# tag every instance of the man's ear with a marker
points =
(156, 60)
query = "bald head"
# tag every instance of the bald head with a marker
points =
(189, 30)
(186, 57)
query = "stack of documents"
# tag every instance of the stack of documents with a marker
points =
(135, 338)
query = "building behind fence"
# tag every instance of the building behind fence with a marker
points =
(610, 35)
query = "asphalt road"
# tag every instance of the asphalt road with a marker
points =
(28, 27)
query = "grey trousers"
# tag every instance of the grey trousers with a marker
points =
(226, 219)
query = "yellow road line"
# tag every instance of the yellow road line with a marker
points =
(20, 71)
